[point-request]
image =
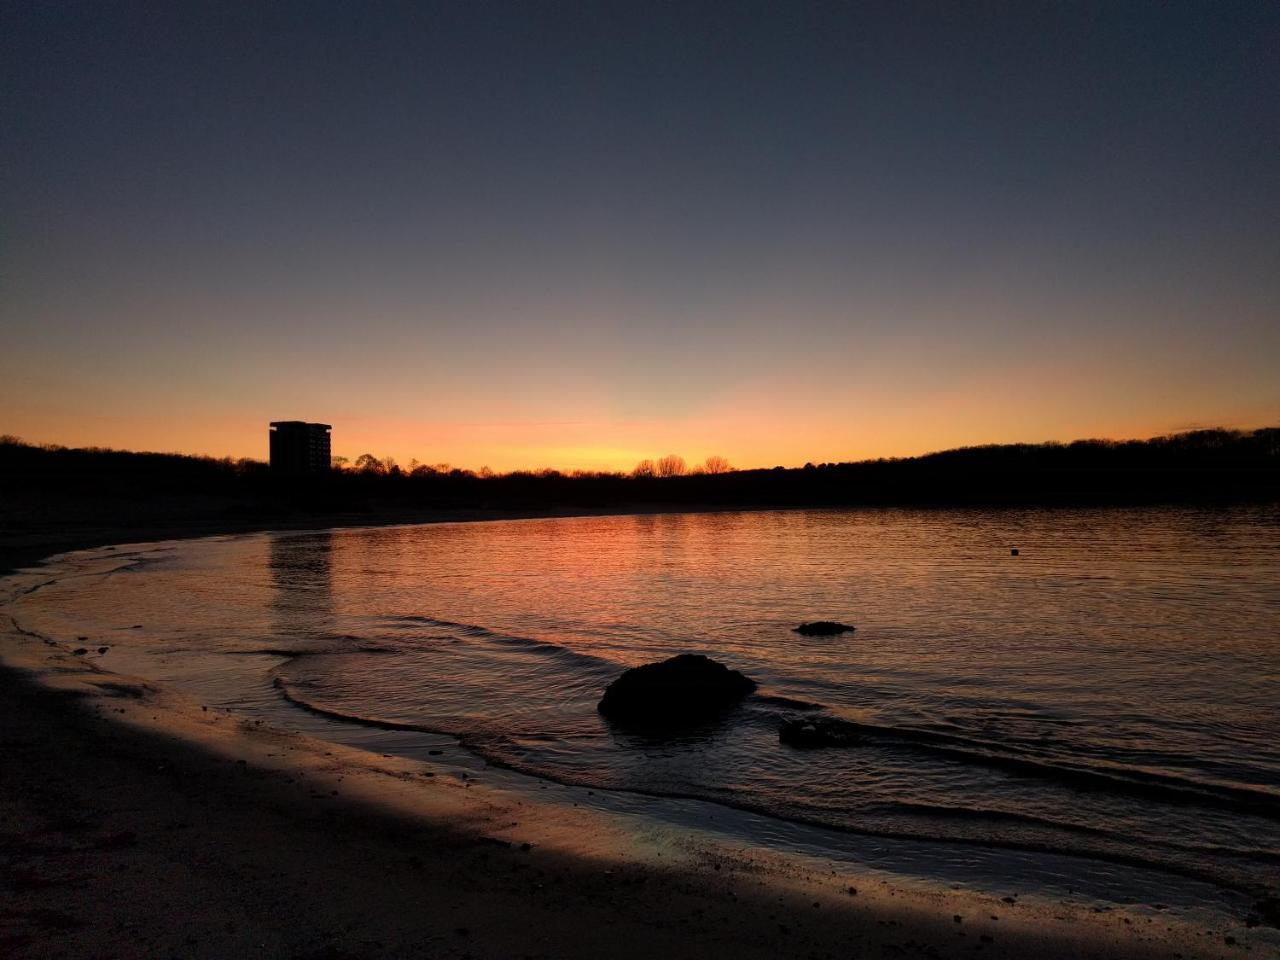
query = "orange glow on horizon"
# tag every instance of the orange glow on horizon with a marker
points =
(566, 447)
(850, 402)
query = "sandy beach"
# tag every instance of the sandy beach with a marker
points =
(138, 822)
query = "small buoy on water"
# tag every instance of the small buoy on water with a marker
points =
(1013, 552)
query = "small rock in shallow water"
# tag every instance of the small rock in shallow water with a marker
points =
(823, 628)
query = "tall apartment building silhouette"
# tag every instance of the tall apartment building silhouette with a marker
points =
(299, 448)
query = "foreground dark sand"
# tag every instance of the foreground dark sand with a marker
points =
(133, 822)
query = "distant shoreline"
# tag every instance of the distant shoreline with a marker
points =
(54, 499)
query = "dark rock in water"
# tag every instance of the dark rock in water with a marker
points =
(685, 689)
(812, 732)
(823, 628)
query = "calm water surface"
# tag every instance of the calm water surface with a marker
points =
(1111, 691)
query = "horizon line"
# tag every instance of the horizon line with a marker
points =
(7, 438)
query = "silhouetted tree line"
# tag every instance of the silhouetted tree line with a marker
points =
(1204, 465)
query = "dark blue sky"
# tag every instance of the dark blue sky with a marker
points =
(574, 233)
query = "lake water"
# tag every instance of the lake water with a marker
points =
(1111, 691)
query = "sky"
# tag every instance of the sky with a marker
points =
(580, 234)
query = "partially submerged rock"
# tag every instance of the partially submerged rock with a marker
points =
(811, 732)
(823, 628)
(686, 689)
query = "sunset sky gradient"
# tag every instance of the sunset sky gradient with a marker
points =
(576, 235)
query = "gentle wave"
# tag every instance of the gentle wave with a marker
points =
(955, 747)
(1134, 781)
(1128, 779)
(489, 746)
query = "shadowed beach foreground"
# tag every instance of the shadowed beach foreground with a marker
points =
(137, 823)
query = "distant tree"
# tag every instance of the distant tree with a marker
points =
(645, 468)
(671, 465)
(716, 464)
(339, 463)
(368, 463)
(486, 473)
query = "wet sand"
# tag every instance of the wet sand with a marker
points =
(134, 822)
